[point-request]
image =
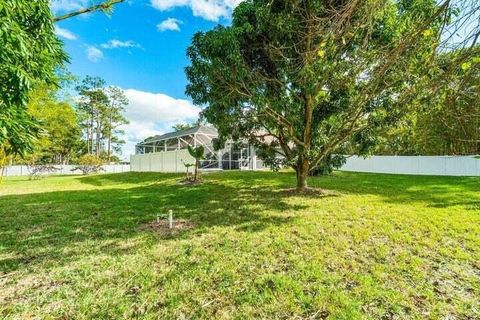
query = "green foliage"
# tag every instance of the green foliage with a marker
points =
(186, 126)
(443, 120)
(30, 53)
(101, 113)
(113, 118)
(88, 164)
(89, 159)
(331, 162)
(60, 140)
(104, 6)
(182, 126)
(311, 76)
(18, 131)
(197, 152)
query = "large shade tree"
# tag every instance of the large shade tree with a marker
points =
(315, 75)
(30, 53)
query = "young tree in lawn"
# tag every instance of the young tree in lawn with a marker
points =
(314, 75)
(114, 118)
(197, 153)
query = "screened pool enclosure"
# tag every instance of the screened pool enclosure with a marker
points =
(168, 152)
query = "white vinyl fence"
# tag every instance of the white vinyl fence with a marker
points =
(169, 161)
(11, 171)
(173, 161)
(416, 165)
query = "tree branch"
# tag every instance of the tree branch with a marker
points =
(102, 6)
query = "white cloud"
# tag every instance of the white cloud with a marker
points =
(171, 24)
(112, 44)
(94, 54)
(153, 113)
(64, 33)
(211, 10)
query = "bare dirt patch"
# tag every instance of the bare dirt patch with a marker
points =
(162, 228)
(309, 192)
(190, 182)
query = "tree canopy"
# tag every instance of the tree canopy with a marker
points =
(100, 110)
(442, 122)
(30, 54)
(316, 76)
(60, 139)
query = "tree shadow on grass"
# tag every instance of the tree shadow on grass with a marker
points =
(431, 191)
(53, 227)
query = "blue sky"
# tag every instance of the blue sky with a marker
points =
(141, 48)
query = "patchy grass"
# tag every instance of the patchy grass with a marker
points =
(371, 246)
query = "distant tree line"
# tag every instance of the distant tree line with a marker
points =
(100, 110)
(445, 124)
(71, 129)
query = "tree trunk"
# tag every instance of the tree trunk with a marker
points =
(2, 172)
(88, 140)
(109, 139)
(3, 163)
(109, 155)
(91, 132)
(97, 138)
(195, 176)
(302, 170)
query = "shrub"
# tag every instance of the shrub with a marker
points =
(37, 171)
(331, 162)
(89, 163)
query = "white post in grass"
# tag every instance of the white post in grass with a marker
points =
(158, 217)
(170, 219)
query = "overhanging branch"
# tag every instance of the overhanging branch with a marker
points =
(102, 6)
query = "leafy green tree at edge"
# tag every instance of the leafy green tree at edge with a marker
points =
(317, 76)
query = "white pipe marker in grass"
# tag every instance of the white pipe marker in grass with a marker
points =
(158, 217)
(170, 219)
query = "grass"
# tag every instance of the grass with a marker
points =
(373, 247)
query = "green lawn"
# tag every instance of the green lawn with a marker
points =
(373, 247)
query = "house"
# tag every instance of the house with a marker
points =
(168, 152)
